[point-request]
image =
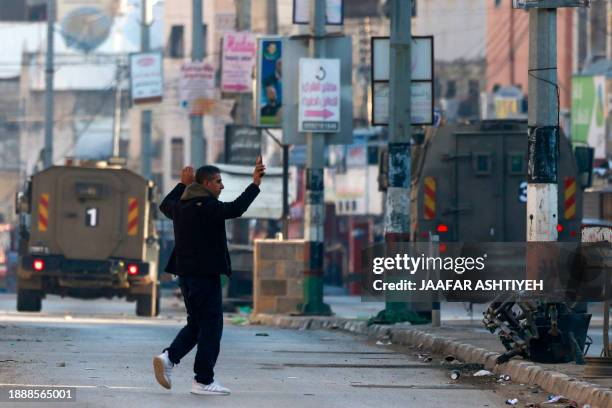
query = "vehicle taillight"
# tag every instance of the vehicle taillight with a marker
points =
(559, 228)
(38, 265)
(442, 228)
(133, 269)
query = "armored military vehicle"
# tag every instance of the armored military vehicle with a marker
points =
(470, 186)
(471, 182)
(88, 232)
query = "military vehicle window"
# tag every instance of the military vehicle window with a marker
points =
(515, 164)
(91, 217)
(482, 164)
(89, 190)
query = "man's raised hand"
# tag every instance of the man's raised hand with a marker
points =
(259, 171)
(187, 175)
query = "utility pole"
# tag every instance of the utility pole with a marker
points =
(244, 110)
(198, 143)
(397, 210)
(146, 117)
(49, 72)
(314, 207)
(272, 28)
(117, 112)
(272, 17)
(543, 124)
(511, 51)
(597, 30)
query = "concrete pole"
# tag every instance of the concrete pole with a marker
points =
(244, 105)
(198, 143)
(117, 112)
(272, 17)
(608, 30)
(580, 39)
(511, 48)
(285, 191)
(397, 210)
(272, 28)
(543, 139)
(244, 110)
(146, 118)
(49, 73)
(314, 207)
(397, 216)
(597, 30)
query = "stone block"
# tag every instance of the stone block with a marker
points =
(265, 269)
(272, 287)
(280, 250)
(290, 269)
(295, 288)
(264, 304)
(287, 304)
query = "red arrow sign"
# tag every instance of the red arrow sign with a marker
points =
(235, 87)
(319, 113)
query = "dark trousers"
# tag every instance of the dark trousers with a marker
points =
(202, 296)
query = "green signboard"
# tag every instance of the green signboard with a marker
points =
(589, 112)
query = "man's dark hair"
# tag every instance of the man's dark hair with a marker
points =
(206, 173)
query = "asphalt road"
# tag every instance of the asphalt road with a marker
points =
(103, 350)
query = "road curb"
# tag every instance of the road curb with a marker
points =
(520, 371)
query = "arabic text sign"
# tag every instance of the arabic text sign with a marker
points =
(242, 144)
(196, 84)
(334, 12)
(319, 95)
(146, 77)
(238, 60)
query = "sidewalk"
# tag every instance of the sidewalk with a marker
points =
(461, 337)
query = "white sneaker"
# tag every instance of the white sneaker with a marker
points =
(214, 388)
(162, 366)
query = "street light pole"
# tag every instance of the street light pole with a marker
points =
(49, 73)
(285, 148)
(314, 207)
(198, 143)
(147, 117)
(244, 110)
(397, 209)
(543, 139)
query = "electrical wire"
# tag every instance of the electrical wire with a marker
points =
(530, 73)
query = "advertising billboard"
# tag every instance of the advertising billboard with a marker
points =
(269, 90)
(589, 112)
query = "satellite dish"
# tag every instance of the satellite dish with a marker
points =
(86, 28)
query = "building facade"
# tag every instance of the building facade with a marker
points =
(507, 48)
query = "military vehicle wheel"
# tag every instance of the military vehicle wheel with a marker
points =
(157, 301)
(144, 305)
(29, 301)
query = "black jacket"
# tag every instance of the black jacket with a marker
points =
(199, 229)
